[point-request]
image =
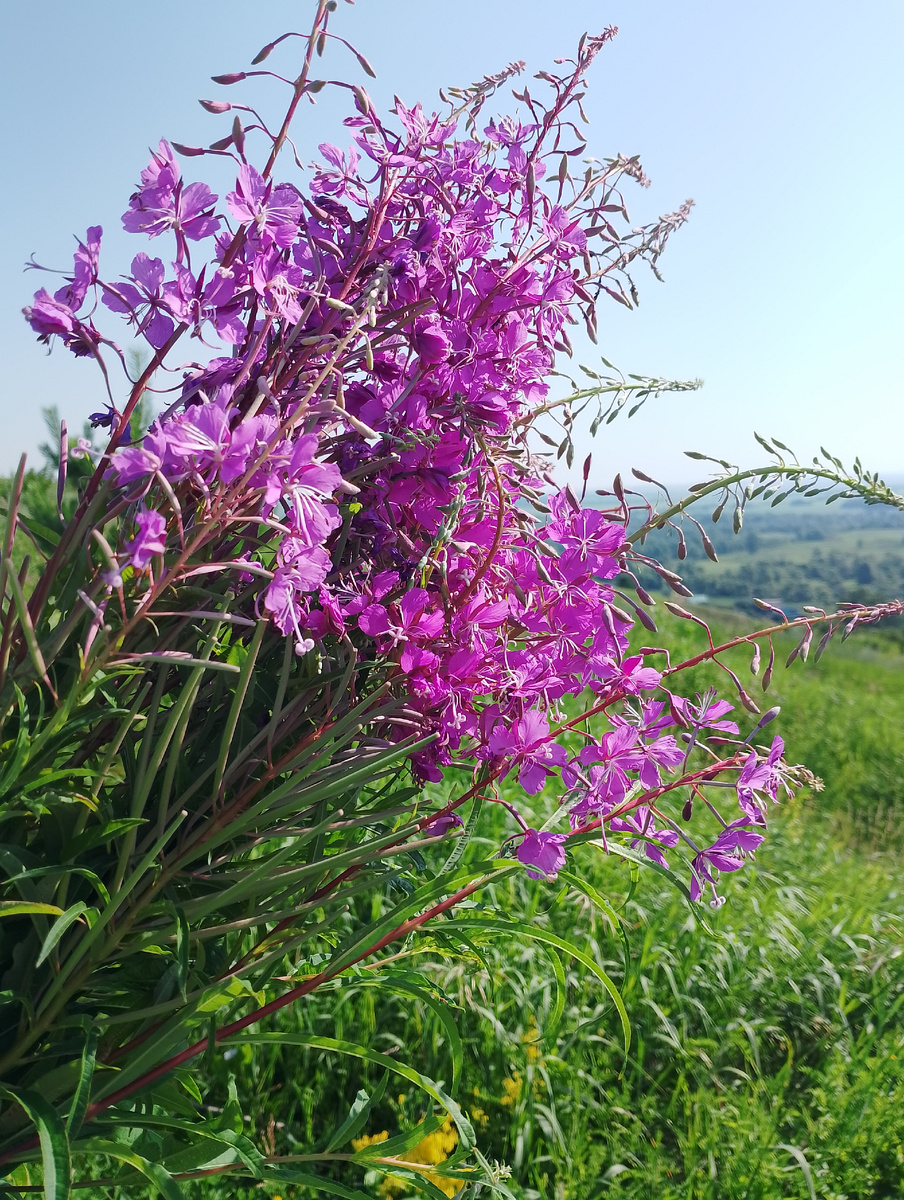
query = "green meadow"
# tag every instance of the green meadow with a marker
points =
(767, 1037)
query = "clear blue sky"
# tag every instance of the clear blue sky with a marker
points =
(781, 119)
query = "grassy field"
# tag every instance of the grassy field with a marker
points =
(767, 1048)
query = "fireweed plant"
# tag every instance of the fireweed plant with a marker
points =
(241, 678)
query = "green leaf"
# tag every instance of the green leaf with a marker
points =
(462, 844)
(55, 1154)
(358, 943)
(59, 927)
(357, 1115)
(798, 1154)
(641, 860)
(314, 1182)
(93, 837)
(86, 1075)
(22, 745)
(595, 897)
(158, 1175)
(15, 908)
(440, 1009)
(534, 933)
(249, 658)
(462, 1124)
(25, 624)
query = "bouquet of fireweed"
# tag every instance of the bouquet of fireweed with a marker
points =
(334, 571)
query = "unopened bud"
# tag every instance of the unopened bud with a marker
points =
(748, 703)
(265, 52)
(646, 620)
(361, 427)
(215, 106)
(365, 65)
(769, 715)
(677, 611)
(238, 134)
(679, 589)
(232, 77)
(362, 100)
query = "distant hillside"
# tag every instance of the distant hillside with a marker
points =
(802, 552)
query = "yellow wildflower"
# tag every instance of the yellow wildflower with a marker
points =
(431, 1151)
(529, 1040)
(373, 1139)
(512, 1089)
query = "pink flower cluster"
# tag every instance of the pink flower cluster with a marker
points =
(359, 462)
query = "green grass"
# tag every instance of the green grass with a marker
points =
(766, 1055)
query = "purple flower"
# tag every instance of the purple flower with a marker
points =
(163, 203)
(442, 824)
(530, 748)
(148, 273)
(642, 821)
(305, 571)
(431, 343)
(273, 211)
(150, 539)
(630, 676)
(726, 854)
(56, 314)
(410, 623)
(706, 713)
(195, 301)
(761, 776)
(542, 851)
(279, 285)
(84, 272)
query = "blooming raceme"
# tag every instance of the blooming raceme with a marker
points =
(352, 456)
